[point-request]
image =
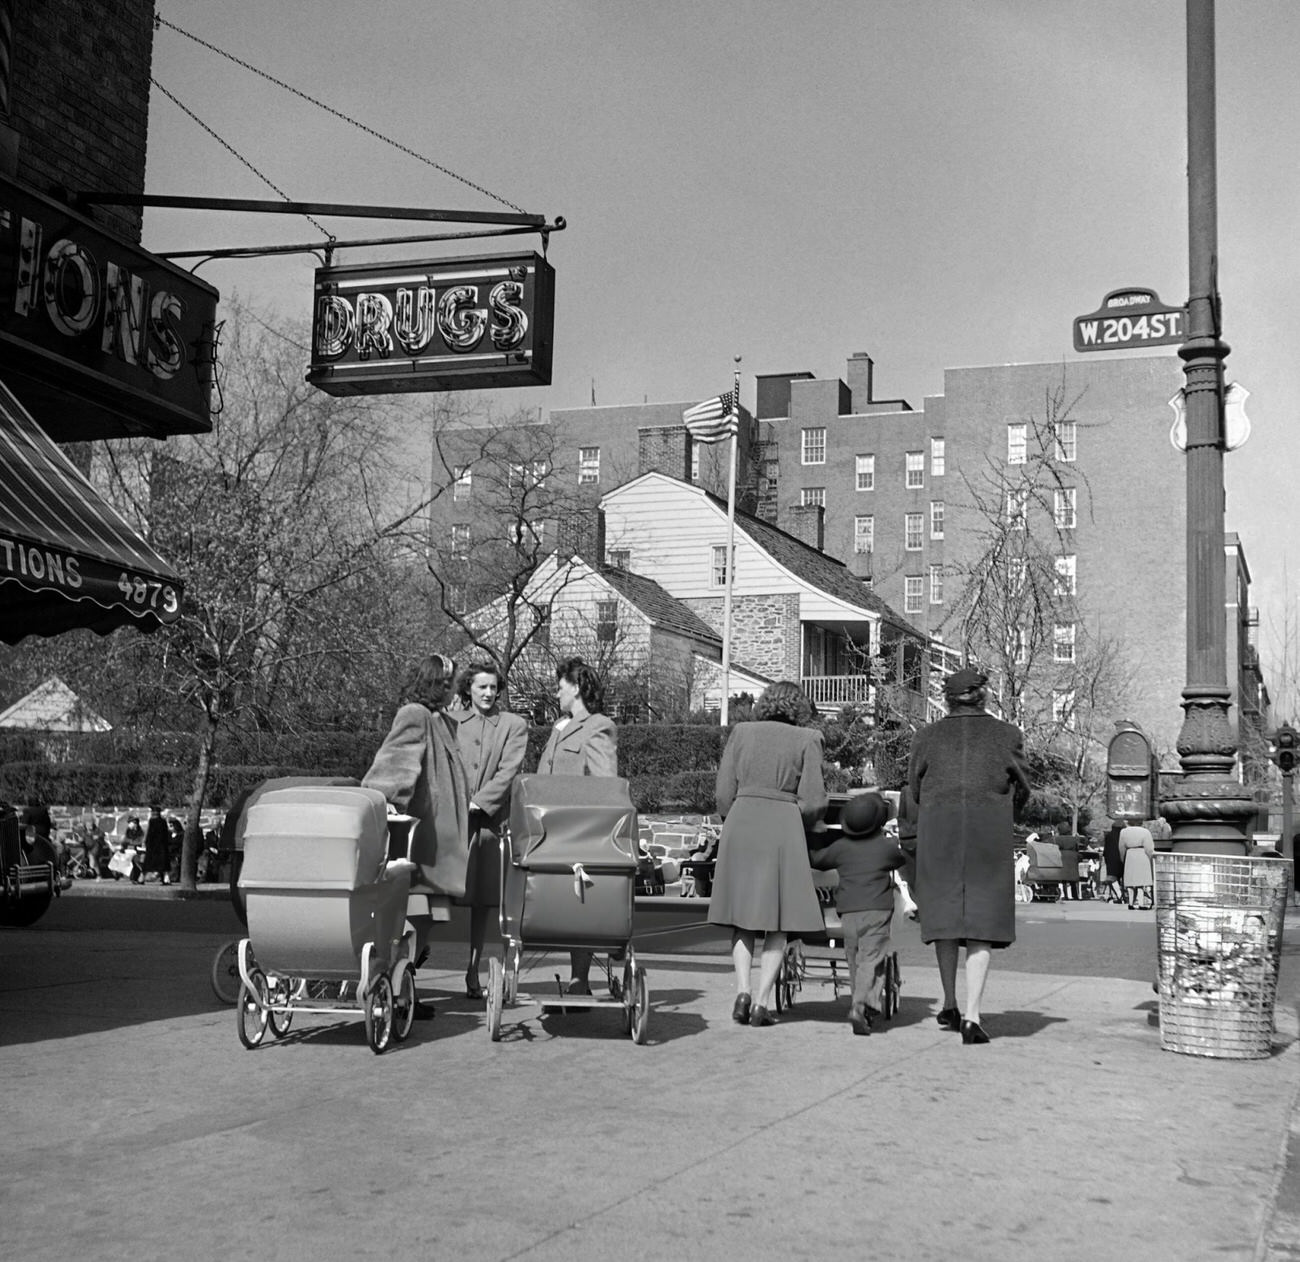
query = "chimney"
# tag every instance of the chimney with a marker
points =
(581, 533)
(807, 522)
(664, 449)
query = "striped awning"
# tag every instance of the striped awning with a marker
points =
(67, 557)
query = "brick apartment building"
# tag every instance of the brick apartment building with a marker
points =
(902, 495)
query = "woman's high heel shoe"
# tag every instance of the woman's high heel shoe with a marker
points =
(973, 1032)
(761, 1016)
(740, 1010)
(949, 1019)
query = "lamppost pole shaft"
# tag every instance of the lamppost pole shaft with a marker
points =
(1208, 808)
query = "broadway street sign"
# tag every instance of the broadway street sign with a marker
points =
(1128, 319)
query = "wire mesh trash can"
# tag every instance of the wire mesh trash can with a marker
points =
(1219, 939)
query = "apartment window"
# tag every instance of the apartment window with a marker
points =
(1017, 645)
(1066, 441)
(524, 534)
(864, 534)
(813, 495)
(463, 484)
(719, 569)
(814, 446)
(460, 541)
(1017, 506)
(914, 469)
(912, 532)
(912, 588)
(515, 476)
(1016, 574)
(606, 621)
(455, 593)
(1063, 642)
(1064, 514)
(866, 468)
(1066, 580)
(542, 636)
(936, 457)
(936, 584)
(619, 558)
(936, 519)
(1016, 444)
(1063, 706)
(588, 465)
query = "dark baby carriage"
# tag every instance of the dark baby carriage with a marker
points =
(326, 915)
(568, 871)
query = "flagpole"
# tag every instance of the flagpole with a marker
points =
(730, 561)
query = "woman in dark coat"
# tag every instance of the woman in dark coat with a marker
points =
(967, 775)
(770, 790)
(155, 846)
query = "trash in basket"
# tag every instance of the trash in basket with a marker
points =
(1219, 932)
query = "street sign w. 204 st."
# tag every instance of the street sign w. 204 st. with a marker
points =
(1128, 319)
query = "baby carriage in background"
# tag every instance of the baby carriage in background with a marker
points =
(326, 910)
(568, 871)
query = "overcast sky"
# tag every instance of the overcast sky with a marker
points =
(939, 183)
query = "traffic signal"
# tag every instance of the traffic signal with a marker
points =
(1286, 748)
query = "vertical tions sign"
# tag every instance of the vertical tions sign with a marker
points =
(456, 324)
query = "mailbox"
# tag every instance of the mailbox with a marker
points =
(1130, 776)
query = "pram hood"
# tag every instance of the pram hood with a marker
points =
(315, 837)
(559, 821)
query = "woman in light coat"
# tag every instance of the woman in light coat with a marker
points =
(770, 790)
(1136, 846)
(419, 770)
(584, 742)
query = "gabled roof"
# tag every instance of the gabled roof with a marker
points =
(805, 562)
(658, 606)
(53, 707)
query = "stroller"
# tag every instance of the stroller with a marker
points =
(326, 911)
(568, 870)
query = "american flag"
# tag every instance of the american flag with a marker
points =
(713, 420)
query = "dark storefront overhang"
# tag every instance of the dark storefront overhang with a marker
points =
(68, 559)
(99, 338)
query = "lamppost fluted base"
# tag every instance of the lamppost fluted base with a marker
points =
(1208, 810)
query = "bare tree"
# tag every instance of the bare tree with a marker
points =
(284, 524)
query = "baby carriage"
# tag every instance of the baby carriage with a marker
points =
(568, 870)
(326, 915)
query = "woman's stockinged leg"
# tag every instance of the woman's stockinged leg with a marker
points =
(742, 956)
(978, 955)
(768, 967)
(945, 954)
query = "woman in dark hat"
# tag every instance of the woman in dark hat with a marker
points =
(967, 776)
(863, 856)
(770, 790)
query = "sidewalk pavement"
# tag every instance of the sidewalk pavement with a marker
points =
(136, 1126)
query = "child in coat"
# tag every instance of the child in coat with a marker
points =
(864, 856)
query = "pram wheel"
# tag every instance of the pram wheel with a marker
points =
(893, 982)
(789, 978)
(280, 990)
(403, 1000)
(638, 1010)
(379, 1014)
(225, 972)
(251, 1012)
(496, 996)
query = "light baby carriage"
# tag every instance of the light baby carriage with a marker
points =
(327, 928)
(568, 871)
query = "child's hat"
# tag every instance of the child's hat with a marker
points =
(864, 814)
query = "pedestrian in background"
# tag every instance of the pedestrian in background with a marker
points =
(155, 847)
(1136, 847)
(583, 742)
(865, 857)
(1112, 862)
(492, 745)
(770, 792)
(967, 776)
(418, 768)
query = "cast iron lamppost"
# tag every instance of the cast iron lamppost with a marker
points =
(1209, 808)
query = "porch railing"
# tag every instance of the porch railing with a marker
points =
(829, 691)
